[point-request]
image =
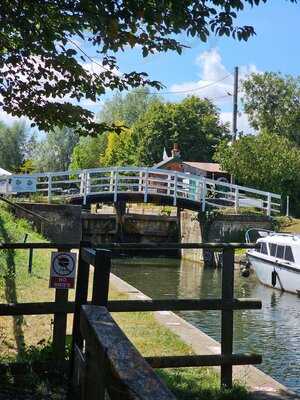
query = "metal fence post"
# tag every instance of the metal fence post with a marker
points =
(175, 189)
(227, 315)
(116, 176)
(146, 187)
(203, 195)
(269, 208)
(236, 199)
(49, 188)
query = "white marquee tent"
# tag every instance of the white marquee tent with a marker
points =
(4, 172)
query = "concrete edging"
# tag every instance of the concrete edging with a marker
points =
(262, 386)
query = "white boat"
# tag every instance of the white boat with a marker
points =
(276, 260)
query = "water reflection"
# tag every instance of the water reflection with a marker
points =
(273, 331)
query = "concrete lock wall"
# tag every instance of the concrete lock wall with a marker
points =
(103, 228)
(64, 221)
(198, 227)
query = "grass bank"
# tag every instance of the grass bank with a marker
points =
(153, 339)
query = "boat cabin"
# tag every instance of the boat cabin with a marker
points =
(284, 247)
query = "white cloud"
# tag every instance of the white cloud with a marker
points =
(242, 122)
(215, 80)
(216, 83)
(8, 119)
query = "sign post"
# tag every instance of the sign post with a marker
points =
(62, 278)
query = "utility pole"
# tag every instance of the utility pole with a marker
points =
(235, 104)
(235, 110)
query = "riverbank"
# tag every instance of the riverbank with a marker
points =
(259, 384)
(154, 338)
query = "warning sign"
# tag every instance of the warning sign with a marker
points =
(63, 269)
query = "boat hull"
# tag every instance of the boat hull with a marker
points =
(287, 278)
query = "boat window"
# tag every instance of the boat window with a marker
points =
(272, 248)
(288, 255)
(263, 248)
(280, 251)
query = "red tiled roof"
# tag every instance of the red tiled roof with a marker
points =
(209, 167)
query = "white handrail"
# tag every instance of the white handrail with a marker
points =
(175, 185)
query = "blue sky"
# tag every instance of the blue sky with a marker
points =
(276, 47)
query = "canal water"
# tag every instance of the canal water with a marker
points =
(273, 331)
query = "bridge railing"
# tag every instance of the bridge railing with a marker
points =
(151, 181)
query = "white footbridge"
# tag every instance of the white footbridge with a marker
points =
(138, 184)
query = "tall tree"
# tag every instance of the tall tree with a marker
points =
(54, 152)
(266, 161)
(193, 123)
(41, 61)
(272, 102)
(120, 149)
(127, 108)
(12, 146)
(87, 152)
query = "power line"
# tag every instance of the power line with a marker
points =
(188, 90)
(175, 92)
(91, 58)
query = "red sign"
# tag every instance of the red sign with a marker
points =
(61, 283)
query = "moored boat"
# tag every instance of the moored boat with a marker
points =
(276, 260)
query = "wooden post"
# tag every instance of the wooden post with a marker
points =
(81, 295)
(30, 260)
(60, 324)
(101, 278)
(227, 315)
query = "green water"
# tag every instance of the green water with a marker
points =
(273, 331)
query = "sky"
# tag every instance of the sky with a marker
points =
(206, 69)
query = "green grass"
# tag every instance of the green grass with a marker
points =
(153, 339)
(17, 286)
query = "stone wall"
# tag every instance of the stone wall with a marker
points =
(198, 227)
(64, 221)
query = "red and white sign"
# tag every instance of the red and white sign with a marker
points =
(62, 271)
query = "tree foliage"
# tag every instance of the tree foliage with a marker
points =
(265, 161)
(42, 64)
(120, 149)
(86, 153)
(193, 123)
(272, 102)
(12, 146)
(127, 108)
(54, 152)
